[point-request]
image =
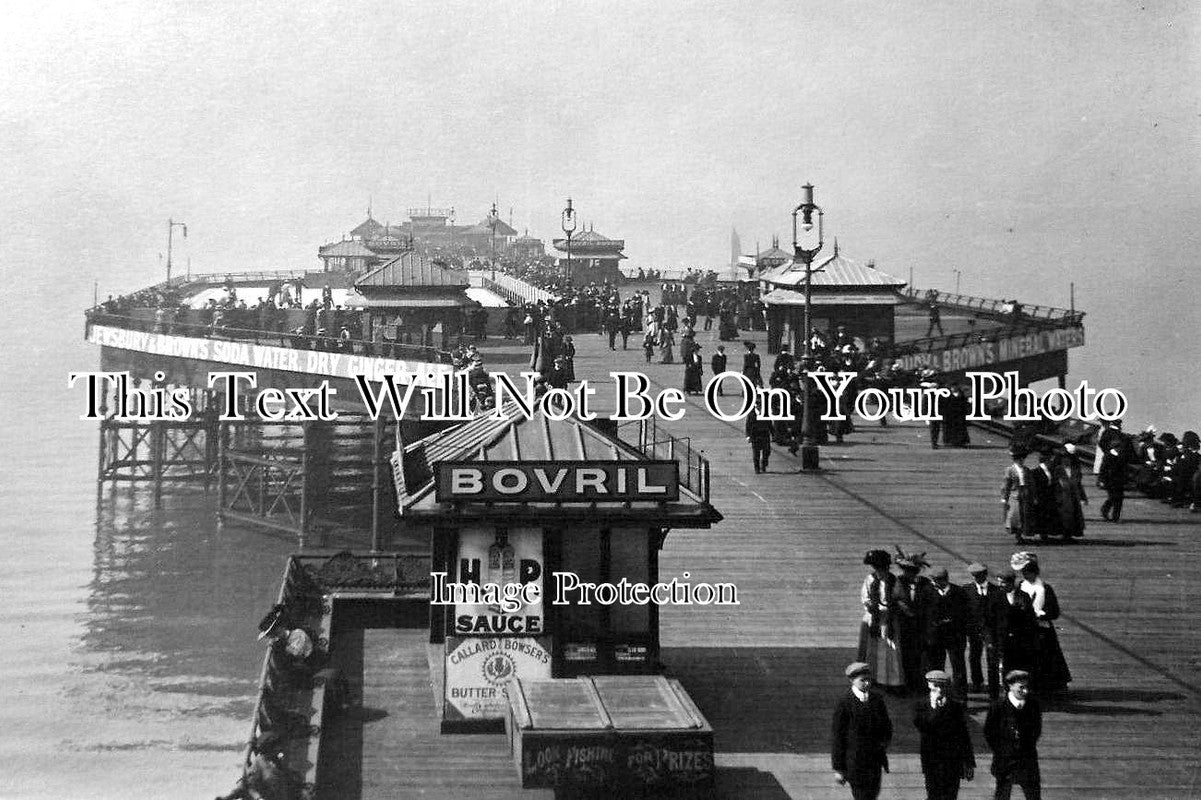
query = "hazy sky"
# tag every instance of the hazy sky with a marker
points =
(1029, 144)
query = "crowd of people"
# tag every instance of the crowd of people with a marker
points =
(913, 623)
(914, 629)
(296, 662)
(1160, 466)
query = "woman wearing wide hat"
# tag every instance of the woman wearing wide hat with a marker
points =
(906, 615)
(1051, 673)
(1015, 495)
(878, 646)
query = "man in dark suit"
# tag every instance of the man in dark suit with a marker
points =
(718, 364)
(1012, 728)
(946, 745)
(1042, 498)
(758, 434)
(1011, 625)
(944, 626)
(861, 735)
(751, 366)
(1116, 453)
(979, 593)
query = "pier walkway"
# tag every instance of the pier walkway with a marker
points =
(767, 672)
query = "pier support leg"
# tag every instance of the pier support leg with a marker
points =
(378, 433)
(303, 526)
(222, 447)
(157, 445)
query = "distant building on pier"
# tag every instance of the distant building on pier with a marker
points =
(593, 257)
(771, 258)
(527, 246)
(842, 292)
(427, 229)
(412, 301)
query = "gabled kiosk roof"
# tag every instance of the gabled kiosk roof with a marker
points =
(538, 439)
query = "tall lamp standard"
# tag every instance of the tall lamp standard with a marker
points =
(171, 226)
(493, 220)
(958, 274)
(569, 223)
(805, 245)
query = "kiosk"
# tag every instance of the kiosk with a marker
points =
(569, 522)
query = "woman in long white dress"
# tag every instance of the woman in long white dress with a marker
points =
(878, 645)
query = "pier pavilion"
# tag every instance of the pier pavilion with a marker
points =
(594, 258)
(843, 293)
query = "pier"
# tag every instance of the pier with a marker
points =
(766, 673)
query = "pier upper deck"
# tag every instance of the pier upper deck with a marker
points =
(287, 346)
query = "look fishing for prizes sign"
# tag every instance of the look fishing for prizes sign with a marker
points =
(479, 670)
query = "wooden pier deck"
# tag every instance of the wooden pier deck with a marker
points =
(767, 672)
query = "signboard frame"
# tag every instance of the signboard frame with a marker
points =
(547, 481)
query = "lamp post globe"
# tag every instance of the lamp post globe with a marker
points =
(569, 225)
(807, 243)
(493, 219)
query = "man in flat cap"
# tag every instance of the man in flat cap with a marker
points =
(946, 746)
(944, 626)
(861, 735)
(1012, 728)
(980, 594)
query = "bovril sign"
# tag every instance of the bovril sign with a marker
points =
(557, 481)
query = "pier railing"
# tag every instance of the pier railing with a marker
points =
(936, 344)
(150, 322)
(513, 289)
(653, 441)
(292, 708)
(1018, 312)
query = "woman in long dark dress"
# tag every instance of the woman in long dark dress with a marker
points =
(1070, 497)
(878, 647)
(693, 369)
(568, 354)
(1051, 672)
(1013, 626)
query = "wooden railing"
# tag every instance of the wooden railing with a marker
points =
(653, 441)
(147, 322)
(1018, 312)
(309, 591)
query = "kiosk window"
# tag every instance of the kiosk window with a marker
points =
(582, 555)
(604, 637)
(629, 558)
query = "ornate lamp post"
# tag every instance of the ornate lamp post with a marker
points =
(171, 226)
(958, 275)
(493, 220)
(806, 243)
(569, 223)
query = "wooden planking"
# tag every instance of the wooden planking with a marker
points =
(793, 543)
(766, 673)
(403, 754)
